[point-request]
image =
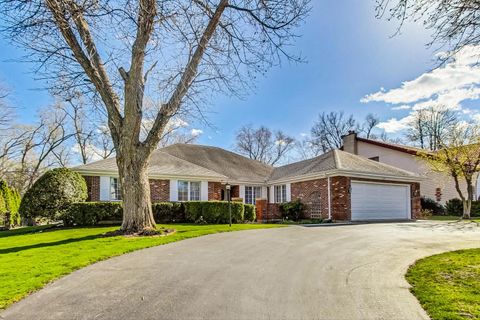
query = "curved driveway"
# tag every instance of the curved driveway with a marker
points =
(334, 272)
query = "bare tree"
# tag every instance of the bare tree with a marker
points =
(371, 121)
(429, 127)
(180, 50)
(328, 130)
(454, 22)
(6, 110)
(263, 145)
(82, 127)
(29, 149)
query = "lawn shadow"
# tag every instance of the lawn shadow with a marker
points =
(50, 244)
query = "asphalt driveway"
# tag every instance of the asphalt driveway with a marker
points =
(339, 272)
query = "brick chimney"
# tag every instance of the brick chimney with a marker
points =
(350, 142)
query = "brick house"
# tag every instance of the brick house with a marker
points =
(337, 185)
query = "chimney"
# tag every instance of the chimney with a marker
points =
(350, 142)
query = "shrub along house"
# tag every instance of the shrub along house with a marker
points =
(336, 185)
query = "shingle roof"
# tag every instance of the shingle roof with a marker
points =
(337, 160)
(232, 165)
(212, 162)
(161, 163)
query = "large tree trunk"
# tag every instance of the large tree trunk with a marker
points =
(137, 208)
(467, 203)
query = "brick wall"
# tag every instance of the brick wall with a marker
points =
(159, 190)
(314, 194)
(267, 211)
(340, 198)
(214, 191)
(416, 203)
(93, 187)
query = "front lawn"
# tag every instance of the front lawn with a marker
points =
(452, 218)
(32, 257)
(448, 285)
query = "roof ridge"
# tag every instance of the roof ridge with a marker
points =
(194, 164)
(221, 149)
(336, 159)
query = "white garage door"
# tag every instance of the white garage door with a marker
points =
(372, 201)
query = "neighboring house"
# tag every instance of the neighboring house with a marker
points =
(435, 185)
(336, 185)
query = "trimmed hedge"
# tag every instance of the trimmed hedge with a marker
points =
(52, 194)
(249, 213)
(168, 212)
(91, 213)
(213, 211)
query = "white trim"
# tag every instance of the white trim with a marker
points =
(271, 194)
(289, 192)
(241, 192)
(329, 199)
(204, 191)
(105, 188)
(173, 190)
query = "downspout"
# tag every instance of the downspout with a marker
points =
(329, 199)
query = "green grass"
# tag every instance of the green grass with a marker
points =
(452, 218)
(444, 218)
(448, 285)
(32, 257)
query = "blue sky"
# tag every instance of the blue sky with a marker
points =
(350, 54)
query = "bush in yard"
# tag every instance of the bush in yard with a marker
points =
(213, 211)
(168, 212)
(11, 202)
(454, 207)
(432, 205)
(292, 210)
(52, 194)
(91, 213)
(3, 209)
(249, 213)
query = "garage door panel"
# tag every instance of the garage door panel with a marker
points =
(380, 201)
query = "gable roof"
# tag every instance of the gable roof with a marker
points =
(339, 161)
(197, 161)
(398, 147)
(230, 164)
(161, 164)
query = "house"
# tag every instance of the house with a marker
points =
(435, 185)
(336, 185)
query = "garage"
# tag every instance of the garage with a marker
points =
(380, 201)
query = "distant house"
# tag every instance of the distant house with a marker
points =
(336, 185)
(435, 185)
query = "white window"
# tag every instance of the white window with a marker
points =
(280, 193)
(195, 191)
(252, 193)
(115, 190)
(188, 190)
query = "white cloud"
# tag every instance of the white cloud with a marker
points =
(447, 86)
(402, 107)
(196, 132)
(394, 125)
(454, 81)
